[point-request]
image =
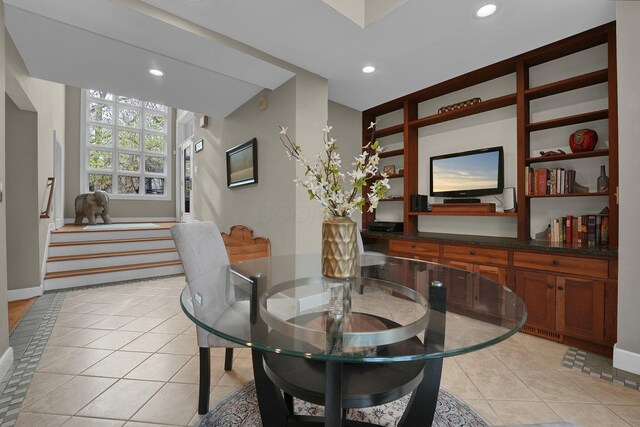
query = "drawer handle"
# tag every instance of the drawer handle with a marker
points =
(472, 252)
(561, 288)
(413, 246)
(555, 262)
(550, 286)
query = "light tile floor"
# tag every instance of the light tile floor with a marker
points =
(126, 355)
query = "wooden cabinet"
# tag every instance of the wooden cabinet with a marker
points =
(562, 264)
(571, 306)
(459, 283)
(475, 254)
(538, 292)
(418, 250)
(470, 285)
(580, 308)
(569, 298)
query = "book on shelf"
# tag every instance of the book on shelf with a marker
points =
(554, 181)
(579, 230)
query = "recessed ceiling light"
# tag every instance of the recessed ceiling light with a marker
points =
(486, 11)
(368, 69)
(155, 72)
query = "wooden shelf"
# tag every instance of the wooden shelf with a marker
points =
(569, 120)
(568, 156)
(488, 105)
(391, 130)
(392, 199)
(530, 196)
(392, 153)
(567, 85)
(378, 177)
(507, 214)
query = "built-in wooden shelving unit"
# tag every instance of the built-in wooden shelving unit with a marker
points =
(505, 214)
(568, 156)
(392, 153)
(520, 67)
(567, 85)
(535, 196)
(569, 120)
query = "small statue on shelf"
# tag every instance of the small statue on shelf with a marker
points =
(551, 153)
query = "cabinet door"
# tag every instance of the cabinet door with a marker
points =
(611, 312)
(538, 292)
(580, 310)
(486, 296)
(460, 283)
(497, 274)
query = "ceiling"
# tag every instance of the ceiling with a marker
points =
(218, 54)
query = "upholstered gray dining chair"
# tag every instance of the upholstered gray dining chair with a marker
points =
(202, 251)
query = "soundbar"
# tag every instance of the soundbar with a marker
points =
(461, 200)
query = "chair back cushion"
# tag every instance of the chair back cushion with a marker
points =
(202, 251)
(200, 247)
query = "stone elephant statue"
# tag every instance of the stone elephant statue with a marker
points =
(92, 204)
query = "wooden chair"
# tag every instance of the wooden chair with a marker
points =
(241, 245)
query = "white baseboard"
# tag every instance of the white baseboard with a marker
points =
(5, 362)
(45, 256)
(116, 220)
(626, 360)
(26, 293)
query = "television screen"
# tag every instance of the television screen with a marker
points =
(470, 173)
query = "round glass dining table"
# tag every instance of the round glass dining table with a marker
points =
(350, 343)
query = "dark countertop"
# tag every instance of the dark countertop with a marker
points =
(499, 242)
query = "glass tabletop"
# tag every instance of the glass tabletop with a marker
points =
(395, 309)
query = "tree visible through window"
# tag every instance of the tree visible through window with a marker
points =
(126, 145)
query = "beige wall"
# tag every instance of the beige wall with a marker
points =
(4, 335)
(347, 130)
(312, 113)
(628, 16)
(23, 265)
(118, 208)
(47, 99)
(273, 207)
(268, 206)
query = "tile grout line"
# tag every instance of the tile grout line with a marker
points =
(20, 378)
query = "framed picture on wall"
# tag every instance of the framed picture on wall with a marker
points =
(199, 146)
(242, 164)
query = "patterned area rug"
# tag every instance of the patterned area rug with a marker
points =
(241, 409)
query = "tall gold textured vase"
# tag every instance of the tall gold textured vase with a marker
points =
(339, 248)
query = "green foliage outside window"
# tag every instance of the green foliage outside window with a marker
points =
(121, 132)
(154, 143)
(154, 164)
(100, 136)
(129, 140)
(99, 159)
(129, 117)
(154, 122)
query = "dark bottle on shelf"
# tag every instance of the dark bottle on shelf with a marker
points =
(603, 181)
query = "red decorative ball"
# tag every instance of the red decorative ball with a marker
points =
(583, 140)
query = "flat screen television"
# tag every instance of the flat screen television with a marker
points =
(468, 174)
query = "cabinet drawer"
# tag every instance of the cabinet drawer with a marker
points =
(477, 255)
(562, 264)
(415, 248)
